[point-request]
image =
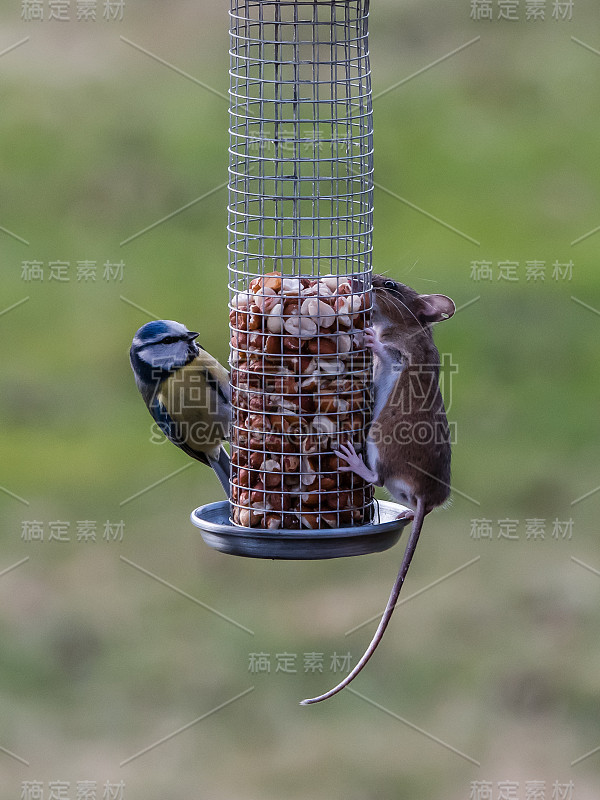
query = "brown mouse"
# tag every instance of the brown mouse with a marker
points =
(408, 443)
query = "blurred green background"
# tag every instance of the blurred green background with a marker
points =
(98, 660)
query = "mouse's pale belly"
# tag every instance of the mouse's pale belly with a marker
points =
(402, 492)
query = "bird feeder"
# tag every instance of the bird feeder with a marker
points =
(300, 265)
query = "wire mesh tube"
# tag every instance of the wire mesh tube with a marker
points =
(300, 245)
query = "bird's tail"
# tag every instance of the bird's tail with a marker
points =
(221, 466)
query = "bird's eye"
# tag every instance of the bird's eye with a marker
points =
(169, 340)
(390, 285)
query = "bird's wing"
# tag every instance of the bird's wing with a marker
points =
(196, 397)
(171, 430)
(217, 376)
(169, 427)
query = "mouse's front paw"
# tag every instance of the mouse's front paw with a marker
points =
(371, 341)
(348, 454)
(370, 337)
(354, 463)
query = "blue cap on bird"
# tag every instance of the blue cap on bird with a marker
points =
(158, 329)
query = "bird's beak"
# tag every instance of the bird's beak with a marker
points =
(192, 335)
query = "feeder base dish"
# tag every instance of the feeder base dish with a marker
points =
(219, 533)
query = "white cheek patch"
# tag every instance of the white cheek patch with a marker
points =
(145, 353)
(163, 353)
(164, 356)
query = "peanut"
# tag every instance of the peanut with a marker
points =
(299, 388)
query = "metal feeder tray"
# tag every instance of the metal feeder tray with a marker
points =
(219, 533)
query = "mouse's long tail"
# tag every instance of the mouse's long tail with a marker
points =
(389, 609)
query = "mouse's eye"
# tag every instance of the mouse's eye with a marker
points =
(170, 340)
(390, 285)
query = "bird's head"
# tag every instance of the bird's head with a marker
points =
(161, 346)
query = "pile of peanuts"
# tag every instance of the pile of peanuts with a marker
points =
(300, 378)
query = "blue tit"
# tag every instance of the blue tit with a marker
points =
(185, 390)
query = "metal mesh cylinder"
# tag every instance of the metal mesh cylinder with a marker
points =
(300, 244)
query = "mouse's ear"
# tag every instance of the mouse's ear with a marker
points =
(436, 307)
